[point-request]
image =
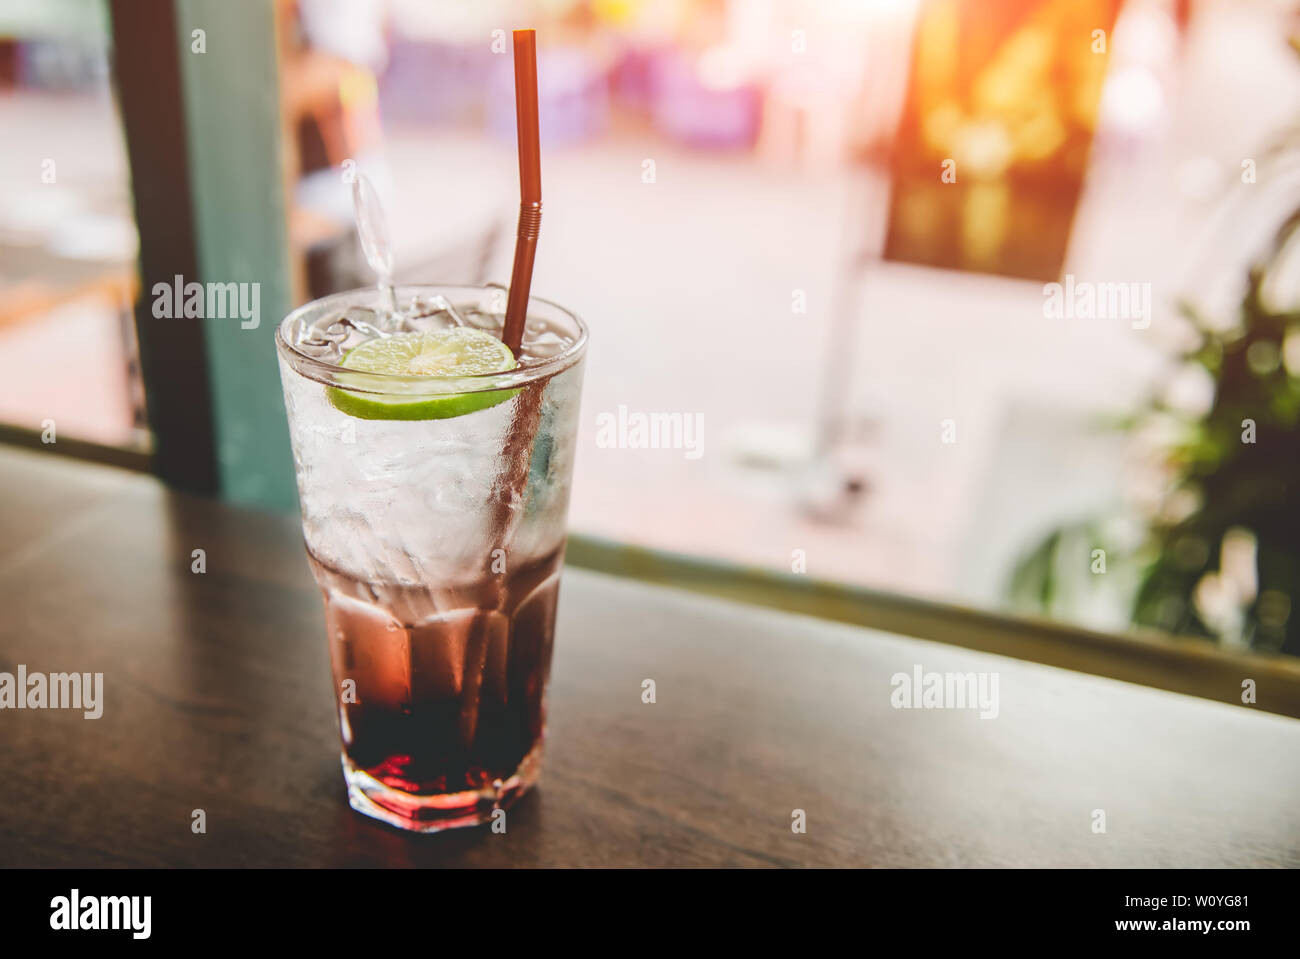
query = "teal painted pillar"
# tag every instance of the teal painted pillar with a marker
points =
(232, 118)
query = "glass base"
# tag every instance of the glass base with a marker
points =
(413, 813)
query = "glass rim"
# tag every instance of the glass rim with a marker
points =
(402, 384)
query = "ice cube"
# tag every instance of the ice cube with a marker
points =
(544, 342)
(329, 338)
(430, 312)
(362, 320)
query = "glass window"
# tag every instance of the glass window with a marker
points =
(68, 242)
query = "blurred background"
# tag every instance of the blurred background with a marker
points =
(827, 227)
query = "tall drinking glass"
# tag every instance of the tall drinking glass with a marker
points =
(433, 510)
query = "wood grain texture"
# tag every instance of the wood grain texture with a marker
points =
(217, 697)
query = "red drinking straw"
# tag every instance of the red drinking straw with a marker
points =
(530, 188)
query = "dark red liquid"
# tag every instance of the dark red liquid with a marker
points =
(449, 684)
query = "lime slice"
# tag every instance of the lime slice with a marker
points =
(455, 351)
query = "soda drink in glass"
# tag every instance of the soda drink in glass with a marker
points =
(433, 510)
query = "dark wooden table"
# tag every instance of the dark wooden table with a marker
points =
(218, 697)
